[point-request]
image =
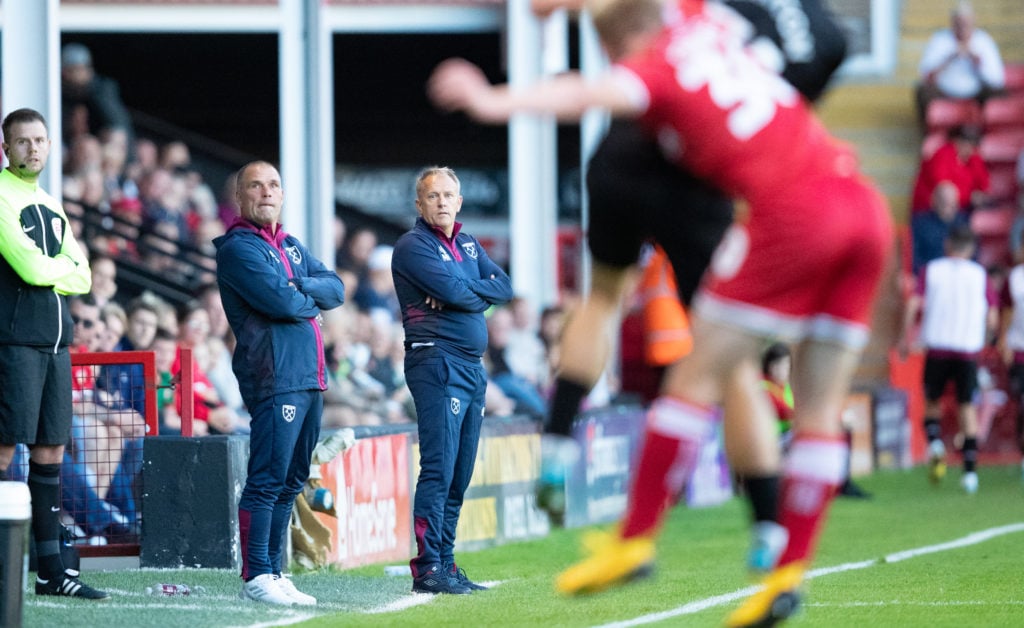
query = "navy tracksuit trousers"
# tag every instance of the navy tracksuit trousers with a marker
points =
(449, 396)
(285, 429)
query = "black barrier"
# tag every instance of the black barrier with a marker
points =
(192, 486)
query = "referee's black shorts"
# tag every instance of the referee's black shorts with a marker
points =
(35, 395)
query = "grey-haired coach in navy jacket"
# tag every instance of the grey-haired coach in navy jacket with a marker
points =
(273, 292)
(445, 283)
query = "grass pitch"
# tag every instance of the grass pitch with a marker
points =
(913, 555)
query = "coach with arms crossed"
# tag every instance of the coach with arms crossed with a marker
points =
(273, 291)
(445, 283)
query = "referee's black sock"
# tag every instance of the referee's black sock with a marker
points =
(44, 486)
(565, 404)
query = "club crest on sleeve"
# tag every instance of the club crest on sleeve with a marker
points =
(58, 228)
(294, 253)
(456, 406)
(288, 412)
(470, 249)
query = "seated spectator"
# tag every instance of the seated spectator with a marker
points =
(104, 278)
(347, 403)
(355, 254)
(527, 356)
(194, 323)
(958, 161)
(113, 164)
(385, 365)
(115, 321)
(552, 321)
(526, 395)
(928, 230)
(959, 62)
(93, 456)
(165, 353)
(377, 290)
(90, 103)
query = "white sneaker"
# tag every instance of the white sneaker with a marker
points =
(285, 584)
(264, 588)
(970, 482)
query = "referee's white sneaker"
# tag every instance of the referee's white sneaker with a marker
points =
(285, 584)
(264, 588)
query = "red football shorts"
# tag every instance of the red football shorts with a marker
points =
(807, 263)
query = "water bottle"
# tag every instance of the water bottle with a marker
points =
(172, 590)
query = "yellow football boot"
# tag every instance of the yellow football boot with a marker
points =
(777, 600)
(612, 561)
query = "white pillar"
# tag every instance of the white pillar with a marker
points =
(31, 72)
(532, 176)
(592, 128)
(307, 126)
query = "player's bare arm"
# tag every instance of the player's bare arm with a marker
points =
(458, 85)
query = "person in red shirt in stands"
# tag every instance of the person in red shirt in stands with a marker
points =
(958, 161)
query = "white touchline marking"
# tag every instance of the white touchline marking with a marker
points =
(415, 599)
(915, 603)
(695, 607)
(281, 622)
(402, 603)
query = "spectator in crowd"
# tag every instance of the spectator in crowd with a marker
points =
(104, 278)
(124, 388)
(445, 282)
(40, 265)
(552, 321)
(90, 103)
(376, 291)
(526, 356)
(961, 61)
(522, 391)
(928, 230)
(115, 321)
(94, 452)
(165, 354)
(958, 161)
(776, 364)
(384, 367)
(273, 291)
(220, 343)
(355, 254)
(958, 314)
(114, 163)
(729, 338)
(143, 158)
(194, 327)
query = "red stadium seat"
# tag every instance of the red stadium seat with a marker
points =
(1004, 111)
(993, 221)
(1003, 145)
(1015, 77)
(943, 113)
(1003, 182)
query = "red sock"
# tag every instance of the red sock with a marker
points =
(815, 468)
(674, 433)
